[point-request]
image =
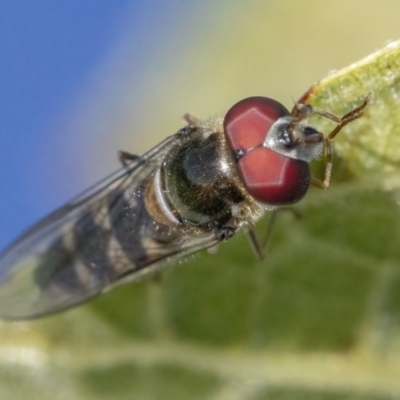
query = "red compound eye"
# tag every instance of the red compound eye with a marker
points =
(272, 178)
(247, 122)
(269, 177)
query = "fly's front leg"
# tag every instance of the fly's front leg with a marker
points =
(328, 150)
(328, 142)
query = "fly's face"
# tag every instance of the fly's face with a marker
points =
(195, 189)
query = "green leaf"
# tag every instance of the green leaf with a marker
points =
(369, 145)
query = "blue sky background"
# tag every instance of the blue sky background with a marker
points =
(49, 54)
(80, 80)
(47, 51)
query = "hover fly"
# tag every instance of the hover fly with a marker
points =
(195, 189)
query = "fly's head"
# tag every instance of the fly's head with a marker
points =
(273, 149)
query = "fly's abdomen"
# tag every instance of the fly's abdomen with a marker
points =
(114, 241)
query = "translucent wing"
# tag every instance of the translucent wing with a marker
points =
(101, 239)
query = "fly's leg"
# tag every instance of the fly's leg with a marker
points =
(328, 146)
(255, 244)
(260, 247)
(126, 158)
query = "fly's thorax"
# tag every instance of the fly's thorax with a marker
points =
(198, 181)
(197, 185)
